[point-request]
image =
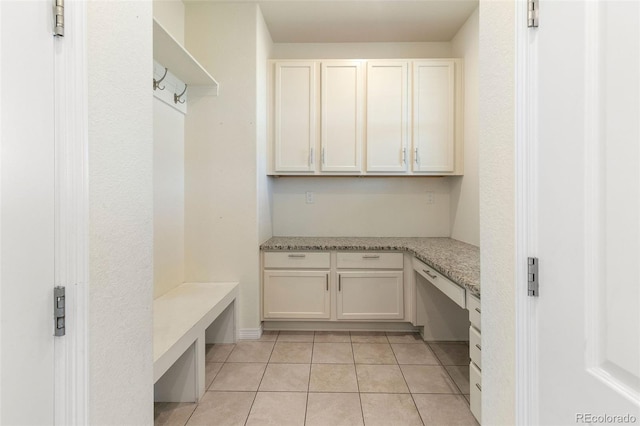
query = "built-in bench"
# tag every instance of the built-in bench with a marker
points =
(184, 320)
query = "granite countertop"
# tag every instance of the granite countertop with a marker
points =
(458, 261)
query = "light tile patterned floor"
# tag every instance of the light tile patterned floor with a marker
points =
(330, 379)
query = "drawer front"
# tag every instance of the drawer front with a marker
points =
(448, 287)
(475, 384)
(297, 259)
(473, 305)
(475, 347)
(369, 260)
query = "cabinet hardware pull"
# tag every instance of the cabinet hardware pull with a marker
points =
(339, 283)
(415, 156)
(327, 279)
(404, 155)
(297, 255)
(478, 310)
(430, 274)
(478, 346)
(479, 387)
(371, 256)
(311, 157)
(323, 162)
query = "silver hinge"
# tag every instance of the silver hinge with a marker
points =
(59, 18)
(58, 311)
(532, 276)
(532, 13)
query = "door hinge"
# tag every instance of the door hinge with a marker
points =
(59, 18)
(532, 13)
(59, 311)
(532, 276)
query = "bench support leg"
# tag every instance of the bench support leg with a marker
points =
(223, 329)
(179, 383)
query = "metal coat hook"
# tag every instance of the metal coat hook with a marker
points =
(176, 97)
(156, 83)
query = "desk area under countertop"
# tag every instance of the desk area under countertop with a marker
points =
(458, 261)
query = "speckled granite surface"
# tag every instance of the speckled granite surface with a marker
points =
(458, 261)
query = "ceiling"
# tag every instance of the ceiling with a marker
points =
(335, 21)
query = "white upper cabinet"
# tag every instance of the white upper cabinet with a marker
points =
(387, 116)
(295, 121)
(366, 117)
(342, 99)
(434, 116)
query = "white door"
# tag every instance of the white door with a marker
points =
(434, 115)
(370, 295)
(26, 213)
(296, 294)
(342, 98)
(295, 120)
(588, 212)
(387, 116)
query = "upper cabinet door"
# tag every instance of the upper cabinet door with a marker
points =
(434, 116)
(387, 116)
(295, 124)
(342, 123)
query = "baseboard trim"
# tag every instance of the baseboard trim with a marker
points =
(338, 326)
(250, 333)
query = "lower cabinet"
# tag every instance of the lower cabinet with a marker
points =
(296, 294)
(370, 295)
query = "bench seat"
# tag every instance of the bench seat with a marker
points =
(184, 320)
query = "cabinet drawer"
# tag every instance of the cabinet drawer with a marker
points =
(369, 260)
(298, 259)
(475, 347)
(473, 305)
(475, 384)
(448, 287)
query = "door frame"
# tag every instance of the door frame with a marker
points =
(526, 166)
(71, 359)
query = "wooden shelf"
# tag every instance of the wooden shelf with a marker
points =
(171, 54)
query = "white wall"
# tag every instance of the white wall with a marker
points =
(221, 196)
(465, 192)
(350, 206)
(170, 14)
(168, 197)
(497, 209)
(264, 48)
(119, 45)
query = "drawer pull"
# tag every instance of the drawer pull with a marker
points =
(478, 346)
(434, 276)
(339, 283)
(478, 310)
(327, 277)
(298, 255)
(371, 256)
(479, 387)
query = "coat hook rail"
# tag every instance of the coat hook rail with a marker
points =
(156, 83)
(178, 98)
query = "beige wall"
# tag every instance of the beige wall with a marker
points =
(264, 49)
(465, 192)
(221, 196)
(170, 14)
(168, 197)
(120, 133)
(360, 50)
(350, 206)
(497, 209)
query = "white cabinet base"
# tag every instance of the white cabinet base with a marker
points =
(371, 295)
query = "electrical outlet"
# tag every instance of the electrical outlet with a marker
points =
(431, 198)
(309, 197)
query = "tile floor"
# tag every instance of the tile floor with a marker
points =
(330, 379)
